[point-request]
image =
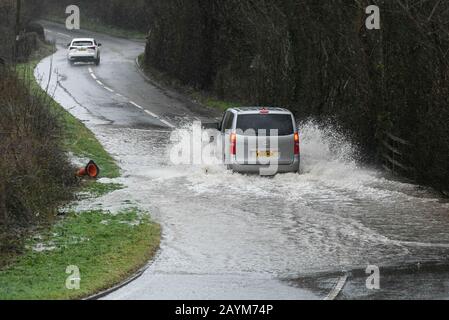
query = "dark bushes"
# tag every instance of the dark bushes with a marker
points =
(27, 44)
(36, 28)
(6, 29)
(31, 9)
(35, 174)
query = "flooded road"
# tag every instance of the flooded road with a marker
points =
(230, 236)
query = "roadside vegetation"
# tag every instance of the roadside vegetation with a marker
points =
(41, 234)
(36, 176)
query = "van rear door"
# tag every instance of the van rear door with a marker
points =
(265, 137)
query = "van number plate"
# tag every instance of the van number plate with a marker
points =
(266, 154)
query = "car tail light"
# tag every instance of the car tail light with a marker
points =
(233, 144)
(72, 48)
(92, 48)
(296, 143)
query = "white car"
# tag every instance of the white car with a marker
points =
(84, 50)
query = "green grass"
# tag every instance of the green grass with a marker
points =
(141, 59)
(213, 102)
(106, 248)
(87, 24)
(100, 189)
(82, 143)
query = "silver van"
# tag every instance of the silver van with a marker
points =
(260, 140)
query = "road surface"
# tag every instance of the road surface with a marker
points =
(229, 236)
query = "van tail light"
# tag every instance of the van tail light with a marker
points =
(296, 143)
(233, 144)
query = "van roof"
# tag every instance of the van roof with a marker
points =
(257, 109)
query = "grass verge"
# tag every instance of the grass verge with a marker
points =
(87, 24)
(107, 248)
(204, 98)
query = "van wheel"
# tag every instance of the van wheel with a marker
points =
(97, 61)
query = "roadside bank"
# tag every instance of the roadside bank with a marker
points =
(104, 247)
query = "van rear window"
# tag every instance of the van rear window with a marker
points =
(281, 122)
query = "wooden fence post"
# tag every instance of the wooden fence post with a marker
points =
(396, 155)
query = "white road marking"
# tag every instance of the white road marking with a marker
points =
(148, 79)
(151, 114)
(337, 289)
(111, 90)
(167, 123)
(136, 105)
(98, 81)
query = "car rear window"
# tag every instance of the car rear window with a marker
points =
(82, 43)
(281, 122)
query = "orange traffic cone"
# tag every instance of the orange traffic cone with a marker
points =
(91, 170)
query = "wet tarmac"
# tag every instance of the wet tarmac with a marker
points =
(231, 236)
